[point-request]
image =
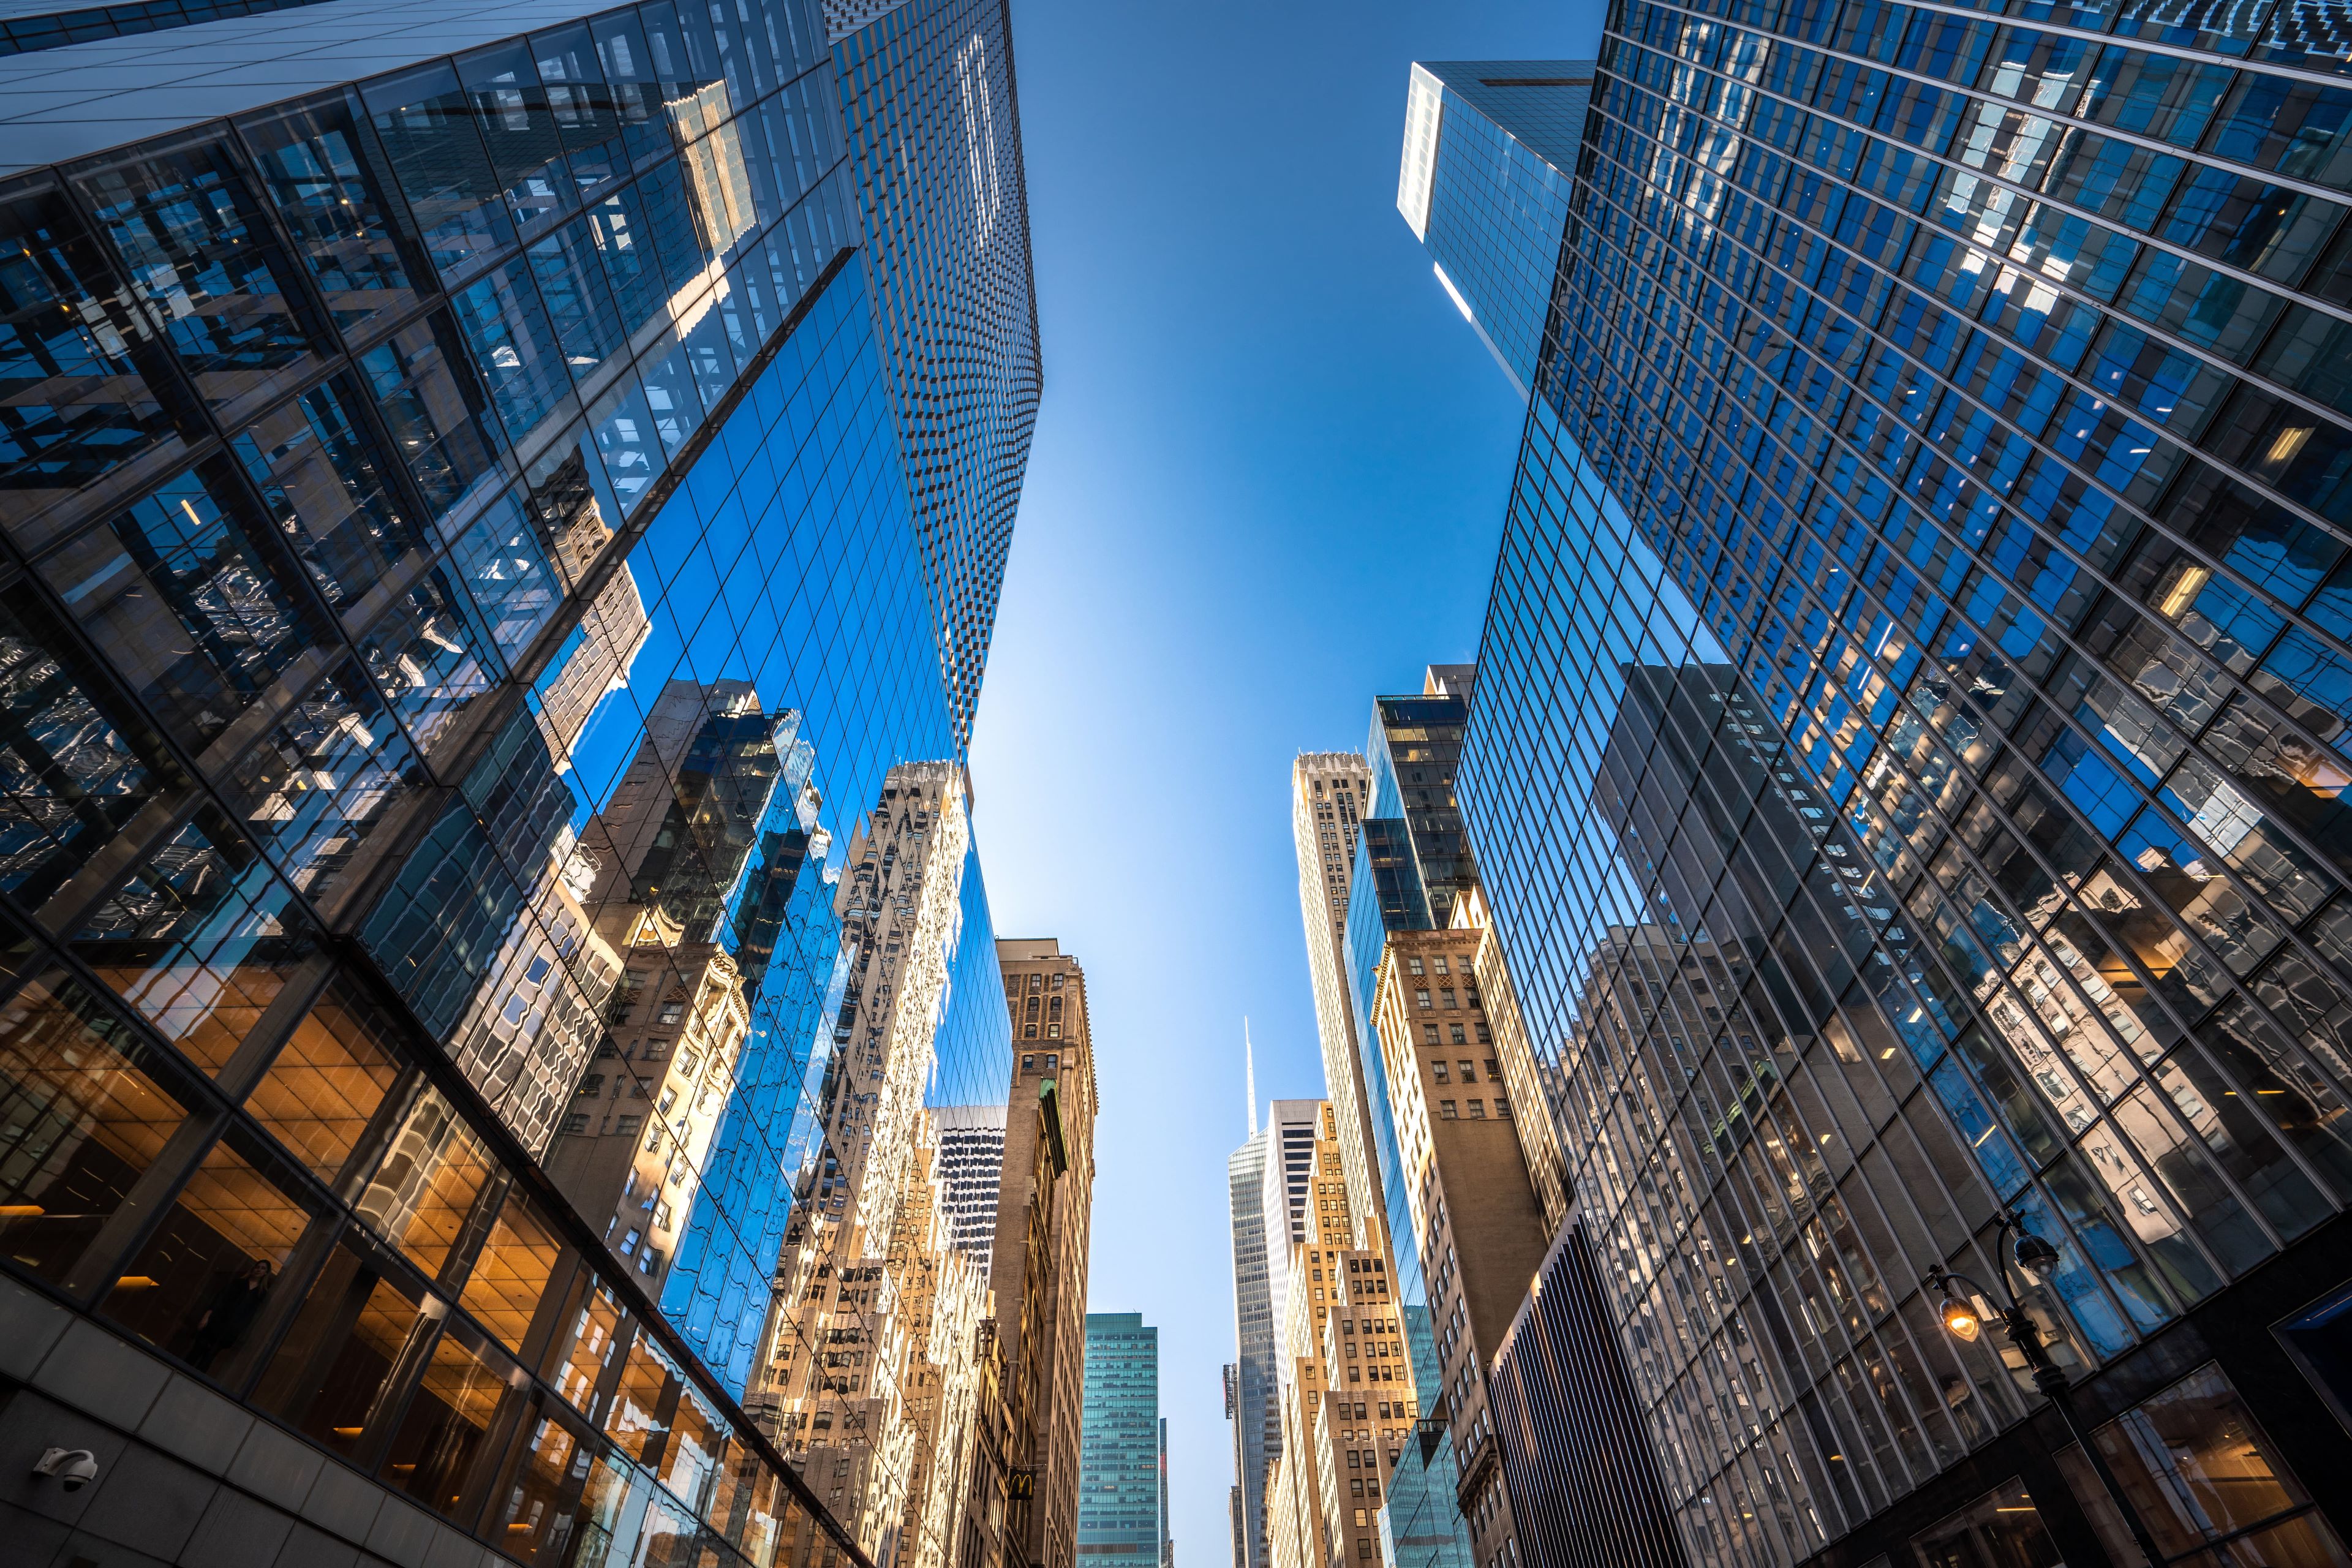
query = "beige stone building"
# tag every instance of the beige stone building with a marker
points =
(1346, 1400)
(1329, 793)
(1478, 1221)
(1044, 1219)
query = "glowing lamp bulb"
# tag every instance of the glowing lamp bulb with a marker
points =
(1960, 1320)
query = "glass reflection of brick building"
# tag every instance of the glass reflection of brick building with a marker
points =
(1958, 400)
(461, 589)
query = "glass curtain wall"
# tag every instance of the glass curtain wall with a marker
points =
(1959, 691)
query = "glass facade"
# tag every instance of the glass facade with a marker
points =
(1490, 155)
(1257, 1435)
(466, 629)
(1903, 763)
(1118, 1462)
(934, 130)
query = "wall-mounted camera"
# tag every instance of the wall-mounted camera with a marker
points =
(74, 1467)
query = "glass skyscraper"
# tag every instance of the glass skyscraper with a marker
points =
(466, 589)
(1120, 1518)
(1490, 155)
(1906, 755)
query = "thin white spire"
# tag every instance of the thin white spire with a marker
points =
(1249, 1075)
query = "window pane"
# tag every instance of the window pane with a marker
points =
(323, 182)
(325, 1085)
(638, 1418)
(198, 1284)
(426, 1184)
(69, 779)
(73, 401)
(577, 1360)
(317, 476)
(2000, 1530)
(191, 234)
(511, 1276)
(443, 1427)
(81, 1119)
(333, 1362)
(186, 603)
(536, 1519)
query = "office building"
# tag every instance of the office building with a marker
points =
(1476, 1221)
(1167, 1541)
(1249, 1379)
(1118, 1465)
(934, 134)
(1329, 793)
(1927, 527)
(1346, 1401)
(1045, 1212)
(462, 592)
(1489, 164)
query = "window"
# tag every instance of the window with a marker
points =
(671, 1012)
(1469, 1072)
(1054, 1030)
(1052, 1061)
(1446, 995)
(1485, 1035)
(2197, 1469)
(1437, 1070)
(1445, 1109)
(1429, 1033)
(1421, 998)
(1494, 1068)
(1057, 982)
(627, 1125)
(1456, 1037)
(1441, 963)
(1028, 1064)
(1999, 1527)
(1477, 1110)
(1502, 1108)
(593, 1086)
(1412, 965)
(577, 1122)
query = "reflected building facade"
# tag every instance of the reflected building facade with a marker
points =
(463, 598)
(1118, 1491)
(1901, 770)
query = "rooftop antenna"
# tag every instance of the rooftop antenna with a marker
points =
(1249, 1073)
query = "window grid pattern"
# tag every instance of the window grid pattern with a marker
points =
(2013, 566)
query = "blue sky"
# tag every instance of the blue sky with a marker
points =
(1268, 483)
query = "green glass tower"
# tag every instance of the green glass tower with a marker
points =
(1119, 1503)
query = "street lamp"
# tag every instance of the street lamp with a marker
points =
(1964, 1321)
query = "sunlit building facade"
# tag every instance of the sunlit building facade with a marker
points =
(1904, 765)
(462, 595)
(1489, 163)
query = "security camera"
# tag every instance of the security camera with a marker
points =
(75, 1468)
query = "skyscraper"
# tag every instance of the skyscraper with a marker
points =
(1490, 162)
(462, 591)
(1902, 764)
(1329, 791)
(1167, 1541)
(1118, 1492)
(1249, 1405)
(934, 130)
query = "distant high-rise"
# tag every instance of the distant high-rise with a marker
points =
(1905, 775)
(1118, 1495)
(1490, 162)
(1329, 793)
(1167, 1541)
(1045, 1216)
(1250, 1408)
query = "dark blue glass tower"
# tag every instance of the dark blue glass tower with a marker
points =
(463, 582)
(1904, 761)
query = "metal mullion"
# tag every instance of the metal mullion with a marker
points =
(2268, 286)
(1973, 553)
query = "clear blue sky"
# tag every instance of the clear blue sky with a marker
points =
(1268, 483)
